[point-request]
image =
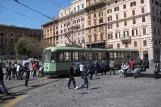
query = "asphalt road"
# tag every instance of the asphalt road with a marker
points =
(104, 91)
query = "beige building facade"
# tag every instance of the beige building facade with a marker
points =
(135, 24)
(9, 35)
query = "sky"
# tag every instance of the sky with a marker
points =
(47, 7)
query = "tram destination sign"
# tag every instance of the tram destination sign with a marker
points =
(48, 50)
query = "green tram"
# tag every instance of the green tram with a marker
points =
(58, 59)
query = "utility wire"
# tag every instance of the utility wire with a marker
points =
(19, 13)
(33, 10)
(57, 4)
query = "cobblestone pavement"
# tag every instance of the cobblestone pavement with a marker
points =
(104, 91)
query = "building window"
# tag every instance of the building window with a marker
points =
(110, 18)
(101, 37)
(95, 21)
(78, 7)
(117, 17)
(133, 4)
(110, 36)
(117, 35)
(153, 18)
(143, 18)
(157, 11)
(124, 14)
(125, 23)
(100, 20)
(133, 12)
(109, 26)
(118, 45)
(82, 5)
(135, 43)
(100, 13)
(134, 32)
(117, 24)
(124, 6)
(142, 10)
(109, 11)
(142, 1)
(116, 9)
(94, 15)
(158, 32)
(95, 37)
(144, 43)
(134, 21)
(154, 30)
(126, 45)
(126, 34)
(144, 31)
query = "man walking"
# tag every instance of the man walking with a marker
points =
(27, 74)
(102, 66)
(84, 74)
(3, 88)
(8, 71)
(71, 77)
(96, 67)
(111, 65)
(81, 66)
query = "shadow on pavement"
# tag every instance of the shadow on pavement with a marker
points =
(96, 78)
(146, 75)
(83, 93)
(4, 98)
(95, 88)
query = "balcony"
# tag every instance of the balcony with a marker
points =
(93, 4)
(126, 40)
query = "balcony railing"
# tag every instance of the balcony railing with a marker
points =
(126, 40)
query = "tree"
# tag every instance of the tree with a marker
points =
(30, 47)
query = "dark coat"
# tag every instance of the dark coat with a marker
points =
(71, 71)
(1, 73)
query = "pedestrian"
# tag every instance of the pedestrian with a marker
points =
(91, 70)
(2, 88)
(146, 63)
(96, 67)
(71, 77)
(126, 68)
(13, 71)
(81, 68)
(156, 71)
(21, 71)
(141, 69)
(33, 70)
(27, 74)
(85, 77)
(132, 64)
(8, 71)
(102, 67)
(111, 66)
(18, 71)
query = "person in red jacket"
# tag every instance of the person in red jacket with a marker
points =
(132, 64)
(34, 69)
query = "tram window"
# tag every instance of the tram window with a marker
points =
(132, 55)
(95, 55)
(90, 56)
(120, 55)
(75, 56)
(99, 55)
(115, 54)
(103, 55)
(47, 57)
(53, 57)
(60, 56)
(111, 55)
(82, 56)
(67, 56)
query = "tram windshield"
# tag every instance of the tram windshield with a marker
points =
(49, 57)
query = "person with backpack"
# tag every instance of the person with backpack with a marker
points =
(85, 77)
(8, 71)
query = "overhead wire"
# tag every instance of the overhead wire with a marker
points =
(20, 14)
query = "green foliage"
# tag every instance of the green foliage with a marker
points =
(29, 46)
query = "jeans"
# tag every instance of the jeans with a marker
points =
(85, 82)
(121, 73)
(71, 79)
(3, 88)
